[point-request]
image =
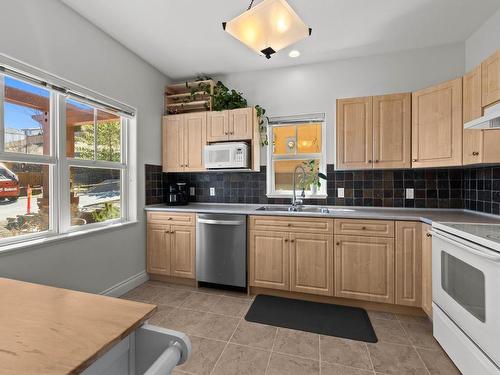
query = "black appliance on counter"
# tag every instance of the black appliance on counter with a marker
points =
(177, 194)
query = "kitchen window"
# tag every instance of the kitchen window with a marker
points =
(64, 164)
(296, 141)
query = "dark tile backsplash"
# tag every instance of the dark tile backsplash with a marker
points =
(472, 188)
(482, 189)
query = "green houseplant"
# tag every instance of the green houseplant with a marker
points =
(313, 176)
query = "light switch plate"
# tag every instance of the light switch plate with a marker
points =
(212, 192)
(340, 192)
(192, 191)
(410, 193)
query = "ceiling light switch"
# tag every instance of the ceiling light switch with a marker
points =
(340, 192)
(410, 193)
(212, 192)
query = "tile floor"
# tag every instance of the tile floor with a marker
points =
(225, 344)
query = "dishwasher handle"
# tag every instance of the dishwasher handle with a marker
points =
(220, 222)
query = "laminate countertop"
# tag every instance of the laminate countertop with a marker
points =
(381, 213)
(47, 330)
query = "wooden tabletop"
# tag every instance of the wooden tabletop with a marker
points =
(46, 330)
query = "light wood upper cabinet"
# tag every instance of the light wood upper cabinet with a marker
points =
(269, 257)
(490, 70)
(173, 142)
(481, 146)
(231, 125)
(374, 132)
(217, 126)
(354, 133)
(311, 263)
(472, 107)
(473, 146)
(408, 263)
(195, 139)
(182, 251)
(427, 269)
(184, 137)
(437, 125)
(158, 249)
(241, 124)
(392, 131)
(364, 268)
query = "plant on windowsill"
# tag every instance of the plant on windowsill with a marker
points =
(313, 176)
(223, 98)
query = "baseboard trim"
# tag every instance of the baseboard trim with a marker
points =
(126, 285)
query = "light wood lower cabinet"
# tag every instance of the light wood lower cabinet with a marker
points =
(408, 263)
(171, 249)
(291, 259)
(269, 259)
(182, 251)
(158, 249)
(427, 269)
(364, 268)
(311, 263)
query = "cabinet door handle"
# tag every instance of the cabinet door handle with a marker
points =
(292, 240)
(370, 161)
(363, 228)
(289, 224)
(415, 160)
(286, 239)
(376, 161)
(169, 218)
(338, 244)
(428, 234)
(475, 153)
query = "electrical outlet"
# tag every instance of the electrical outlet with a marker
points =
(410, 193)
(340, 192)
(192, 191)
(212, 192)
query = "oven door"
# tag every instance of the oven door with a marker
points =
(466, 286)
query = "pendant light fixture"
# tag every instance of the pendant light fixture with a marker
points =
(268, 27)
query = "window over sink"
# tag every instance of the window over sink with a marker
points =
(296, 141)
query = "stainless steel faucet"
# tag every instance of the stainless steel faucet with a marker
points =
(297, 203)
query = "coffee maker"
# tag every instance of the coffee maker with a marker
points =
(177, 194)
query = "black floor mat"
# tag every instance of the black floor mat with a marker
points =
(326, 319)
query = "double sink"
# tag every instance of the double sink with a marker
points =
(306, 209)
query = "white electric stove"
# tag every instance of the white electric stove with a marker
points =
(466, 294)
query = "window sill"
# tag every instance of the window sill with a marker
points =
(289, 196)
(54, 238)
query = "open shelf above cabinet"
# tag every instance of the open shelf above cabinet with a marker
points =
(192, 96)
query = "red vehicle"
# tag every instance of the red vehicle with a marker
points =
(9, 184)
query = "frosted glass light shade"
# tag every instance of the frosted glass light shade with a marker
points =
(268, 27)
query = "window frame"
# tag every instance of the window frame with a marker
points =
(271, 191)
(59, 164)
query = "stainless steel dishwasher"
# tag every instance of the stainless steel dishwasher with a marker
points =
(221, 249)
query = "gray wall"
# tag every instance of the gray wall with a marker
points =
(50, 36)
(315, 87)
(483, 42)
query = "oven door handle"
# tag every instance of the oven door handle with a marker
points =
(485, 254)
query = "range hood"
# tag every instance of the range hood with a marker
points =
(490, 119)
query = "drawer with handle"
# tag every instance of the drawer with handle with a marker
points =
(373, 228)
(301, 224)
(176, 218)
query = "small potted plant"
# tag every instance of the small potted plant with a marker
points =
(314, 177)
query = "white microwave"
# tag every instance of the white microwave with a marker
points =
(227, 155)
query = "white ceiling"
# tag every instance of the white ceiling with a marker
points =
(183, 38)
